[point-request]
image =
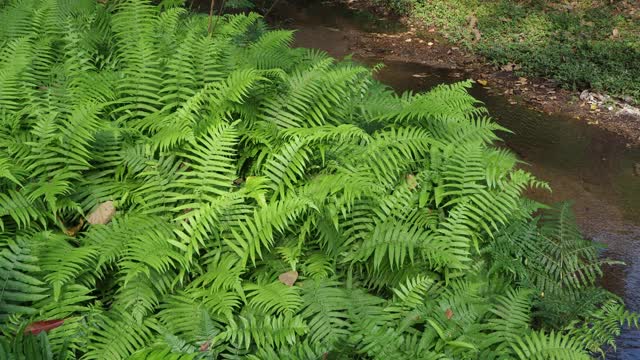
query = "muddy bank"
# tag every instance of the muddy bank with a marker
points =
(389, 38)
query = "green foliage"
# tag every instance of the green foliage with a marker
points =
(573, 44)
(269, 203)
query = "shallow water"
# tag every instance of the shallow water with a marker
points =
(582, 163)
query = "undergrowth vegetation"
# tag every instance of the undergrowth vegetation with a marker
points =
(170, 193)
(583, 44)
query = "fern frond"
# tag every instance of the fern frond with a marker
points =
(19, 286)
(512, 320)
(538, 345)
(274, 298)
(116, 335)
(264, 331)
(325, 310)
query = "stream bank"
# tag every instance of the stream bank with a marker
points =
(390, 38)
(592, 167)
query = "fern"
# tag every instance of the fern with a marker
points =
(270, 202)
(538, 345)
(18, 285)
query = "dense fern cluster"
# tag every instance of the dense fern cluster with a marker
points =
(269, 202)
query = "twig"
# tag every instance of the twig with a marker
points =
(271, 8)
(213, 4)
(219, 15)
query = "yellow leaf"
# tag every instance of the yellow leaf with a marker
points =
(483, 82)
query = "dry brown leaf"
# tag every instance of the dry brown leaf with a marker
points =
(102, 214)
(510, 67)
(289, 278)
(615, 33)
(72, 231)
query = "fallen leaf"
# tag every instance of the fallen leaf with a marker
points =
(615, 33)
(72, 231)
(594, 107)
(508, 67)
(205, 346)
(482, 82)
(448, 314)
(289, 278)
(408, 40)
(40, 326)
(430, 43)
(102, 214)
(412, 182)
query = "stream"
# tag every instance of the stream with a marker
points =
(587, 165)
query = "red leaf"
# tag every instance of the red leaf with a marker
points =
(40, 326)
(448, 314)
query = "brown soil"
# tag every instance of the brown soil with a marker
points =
(424, 45)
